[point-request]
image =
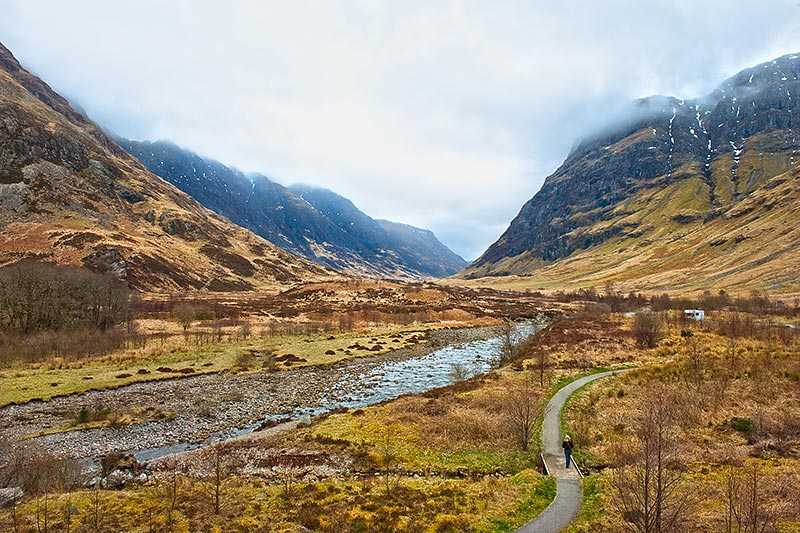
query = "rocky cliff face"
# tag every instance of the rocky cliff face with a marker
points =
(71, 195)
(315, 223)
(657, 193)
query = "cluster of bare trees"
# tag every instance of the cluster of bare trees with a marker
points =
(43, 296)
(648, 485)
(757, 302)
(47, 309)
(40, 476)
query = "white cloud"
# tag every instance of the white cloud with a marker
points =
(443, 114)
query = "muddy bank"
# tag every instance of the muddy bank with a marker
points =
(216, 407)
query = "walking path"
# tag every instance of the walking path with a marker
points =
(564, 508)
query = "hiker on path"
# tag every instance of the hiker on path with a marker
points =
(567, 445)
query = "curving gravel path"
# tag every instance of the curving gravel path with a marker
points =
(564, 508)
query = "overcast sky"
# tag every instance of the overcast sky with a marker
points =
(442, 114)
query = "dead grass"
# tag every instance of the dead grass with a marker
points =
(739, 405)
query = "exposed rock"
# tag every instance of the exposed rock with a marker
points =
(730, 155)
(9, 495)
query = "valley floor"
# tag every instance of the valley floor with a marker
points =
(449, 459)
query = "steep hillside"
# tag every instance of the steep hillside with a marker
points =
(316, 223)
(420, 243)
(69, 194)
(681, 195)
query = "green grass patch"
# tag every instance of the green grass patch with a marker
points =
(374, 432)
(592, 507)
(58, 377)
(539, 493)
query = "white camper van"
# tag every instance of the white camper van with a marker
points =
(694, 314)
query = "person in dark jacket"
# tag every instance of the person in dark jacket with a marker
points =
(567, 445)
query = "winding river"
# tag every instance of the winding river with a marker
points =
(214, 408)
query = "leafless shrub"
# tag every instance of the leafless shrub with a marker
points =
(508, 346)
(648, 488)
(754, 502)
(647, 329)
(522, 406)
(458, 372)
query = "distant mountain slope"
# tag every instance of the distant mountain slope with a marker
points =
(416, 249)
(423, 243)
(315, 223)
(682, 195)
(69, 194)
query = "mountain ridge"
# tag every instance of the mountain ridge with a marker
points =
(70, 195)
(627, 202)
(313, 222)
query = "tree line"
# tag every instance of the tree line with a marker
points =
(46, 297)
(48, 309)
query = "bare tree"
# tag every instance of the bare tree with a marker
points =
(522, 406)
(695, 358)
(218, 466)
(388, 459)
(542, 361)
(245, 330)
(747, 509)
(648, 488)
(185, 315)
(508, 348)
(171, 491)
(647, 329)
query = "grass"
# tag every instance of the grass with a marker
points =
(379, 433)
(537, 497)
(380, 340)
(592, 506)
(46, 381)
(403, 504)
(58, 377)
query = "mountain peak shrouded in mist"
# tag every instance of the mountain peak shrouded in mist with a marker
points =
(313, 222)
(680, 194)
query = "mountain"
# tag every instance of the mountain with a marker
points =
(69, 194)
(680, 195)
(422, 243)
(417, 250)
(315, 223)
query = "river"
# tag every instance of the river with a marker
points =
(215, 408)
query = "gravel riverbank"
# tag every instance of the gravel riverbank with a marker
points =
(208, 407)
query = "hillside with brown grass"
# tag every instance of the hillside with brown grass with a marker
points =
(70, 195)
(682, 196)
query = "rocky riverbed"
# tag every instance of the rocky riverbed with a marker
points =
(211, 408)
